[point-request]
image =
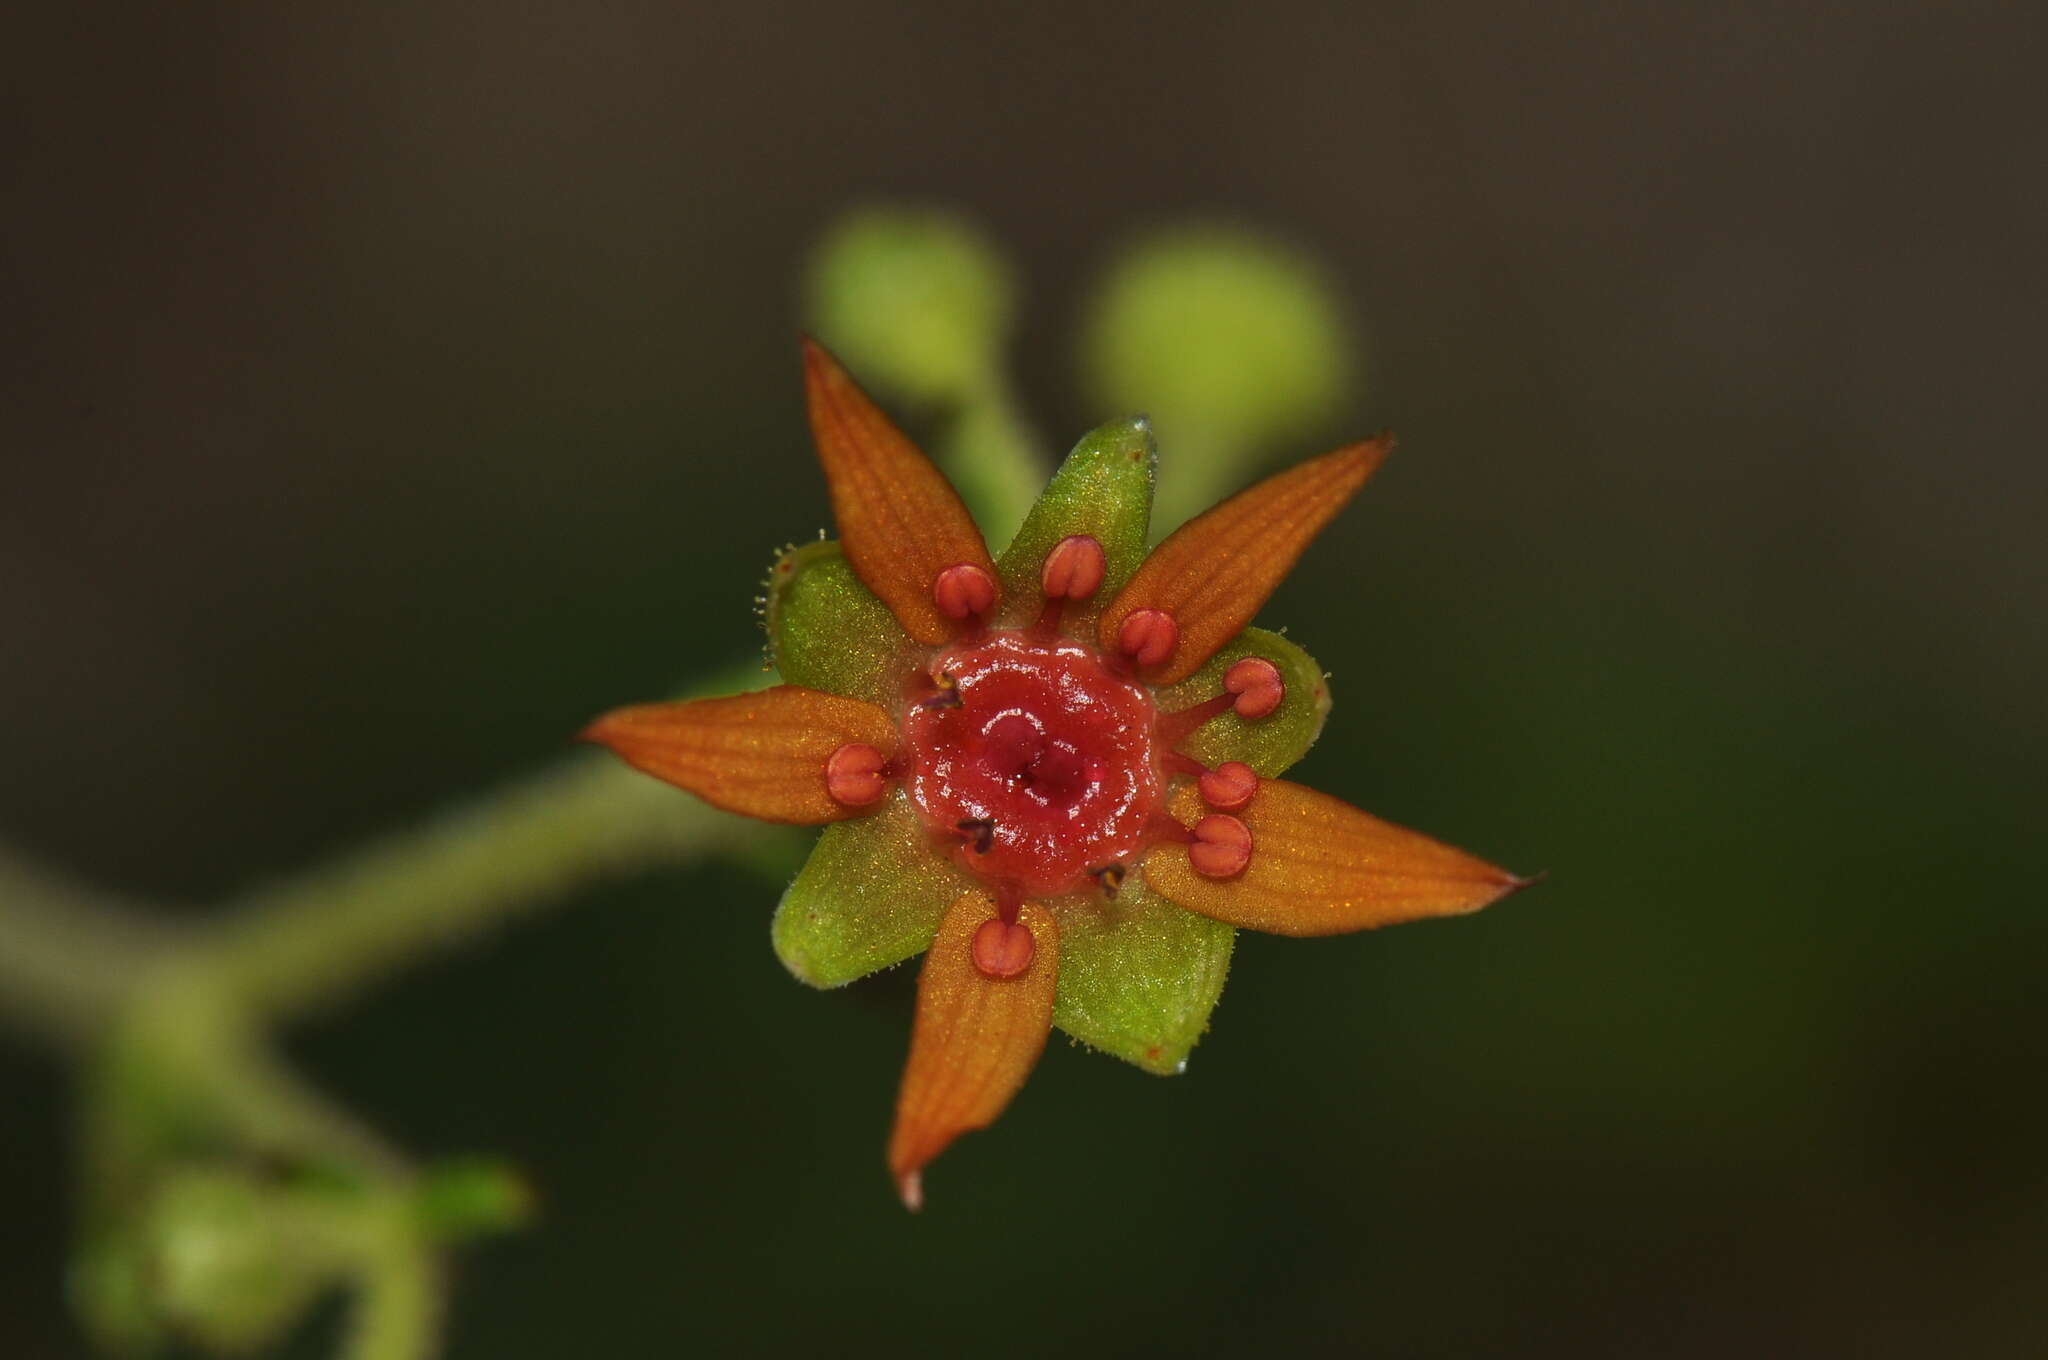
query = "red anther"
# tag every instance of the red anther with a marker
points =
(1003, 949)
(1148, 636)
(964, 591)
(1229, 786)
(853, 774)
(1257, 684)
(1074, 568)
(1222, 846)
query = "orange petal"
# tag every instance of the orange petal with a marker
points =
(1214, 572)
(761, 754)
(900, 521)
(975, 1040)
(1321, 867)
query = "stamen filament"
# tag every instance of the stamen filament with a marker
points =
(1178, 726)
(1010, 904)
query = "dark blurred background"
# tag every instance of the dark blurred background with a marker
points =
(390, 387)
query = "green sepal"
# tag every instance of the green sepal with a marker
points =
(1104, 488)
(870, 895)
(1269, 744)
(1139, 975)
(828, 631)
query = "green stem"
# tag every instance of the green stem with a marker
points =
(400, 1299)
(312, 941)
(990, 454)
(176, 1020)
(67, 955)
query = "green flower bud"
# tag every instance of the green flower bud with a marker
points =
(916, 300)
(220, 1257)
(1233, 344)
(472, 1197)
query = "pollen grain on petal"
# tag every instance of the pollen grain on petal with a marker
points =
(1323, 867)
(976, 1036)
(900, 521)
(1214, 572)
(767, 754)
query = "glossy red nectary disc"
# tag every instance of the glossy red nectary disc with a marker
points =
(1035, 759)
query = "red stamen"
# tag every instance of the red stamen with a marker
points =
(1148, 636)
(854, 774)
(1180, 762)
(1074, 568)
(1003, 949)
(963, 592)
(1174, 727)
(1222, 846)
(1257, 684)
(1163, 828)
(1229, 786)
(1009, 901)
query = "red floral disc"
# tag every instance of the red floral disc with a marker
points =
(1035, 760)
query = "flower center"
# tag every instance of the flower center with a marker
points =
(1035, 760)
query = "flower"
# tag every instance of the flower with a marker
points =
(1054, 772)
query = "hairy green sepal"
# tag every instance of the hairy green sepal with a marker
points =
(870, 895)
(1103, 489)
(1269, 744)
(828, 631)
(1139, 975)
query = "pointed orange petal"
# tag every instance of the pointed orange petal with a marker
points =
(1321, 867)
(1214, 572)
(900, 521)
(762, 754)
(976, 1037)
